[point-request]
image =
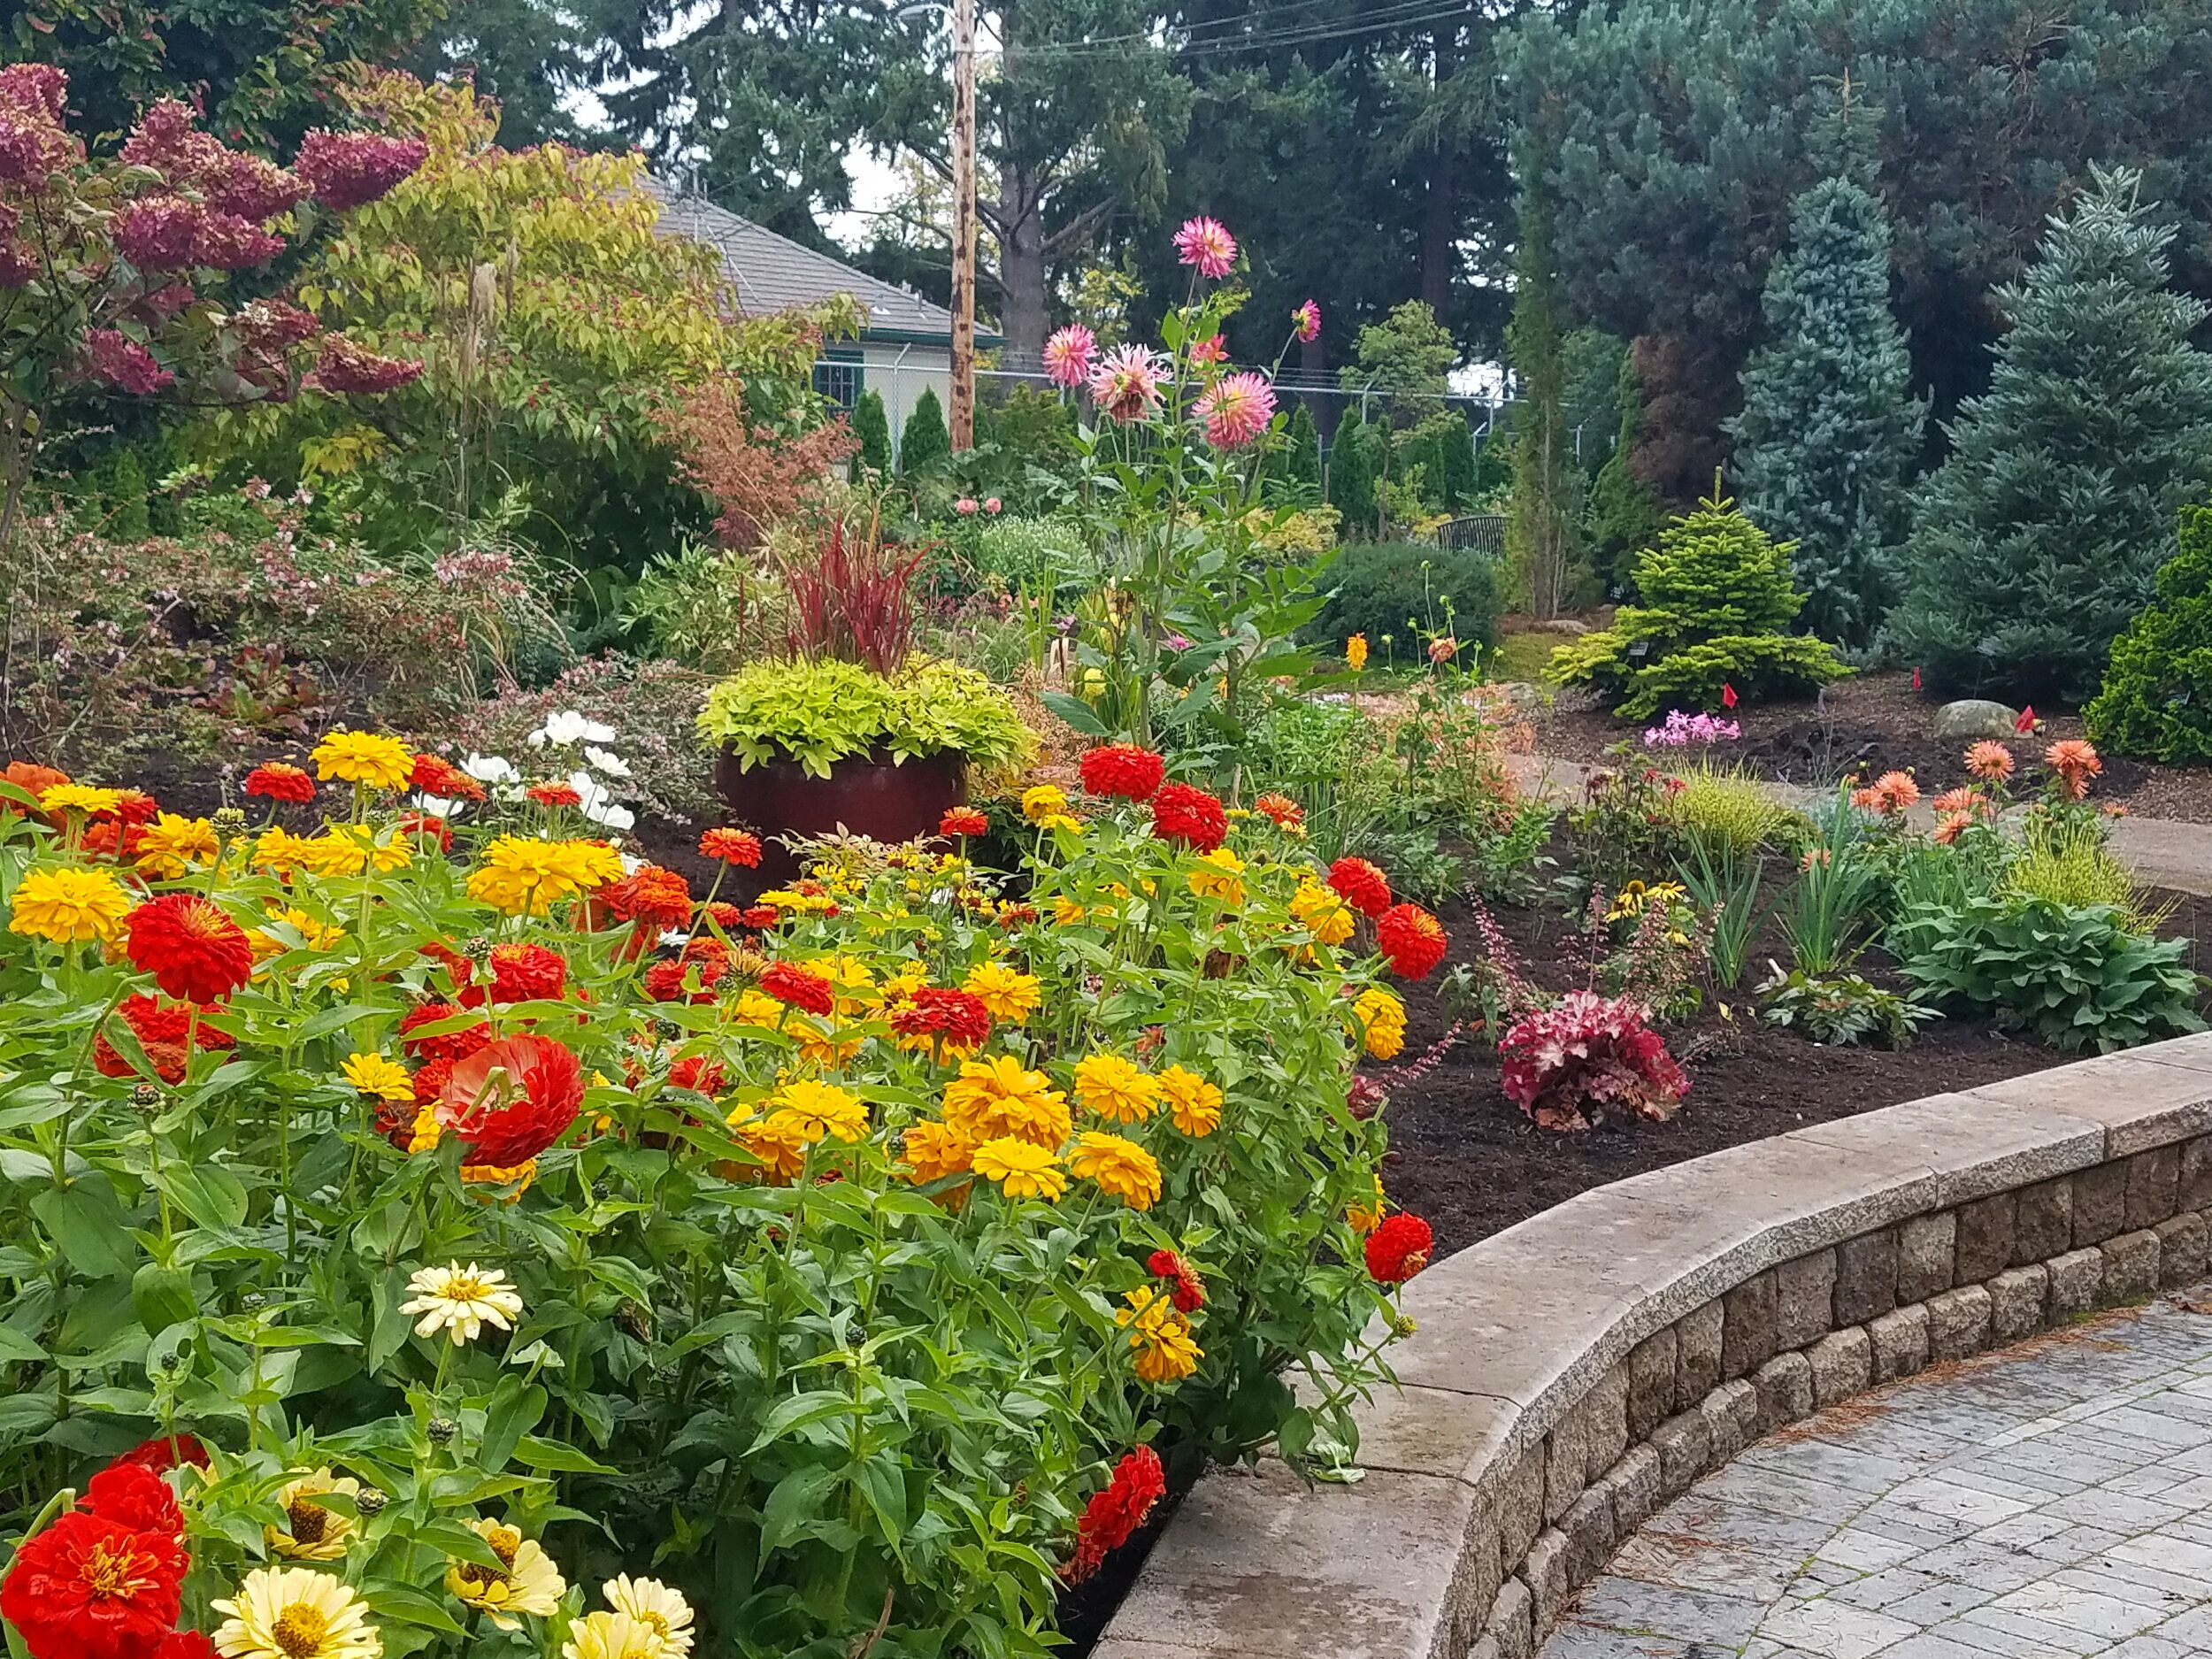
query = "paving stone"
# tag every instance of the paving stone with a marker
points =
(1926, 1248)
(2153, 1181)
(1842, 1365)
(1958, 1323)
(1747, 1327)
(2100, 1203)
(1684, 1445)
(2195, 1189)
(2043, 1222)
(2181, 1249)
(2077, 1283)
(1584, 1446)
(1651, 1369)
(1545, 1572)
(1901, 1342)
(2017, 1298)
(1984, 1248)
(1804, 1299)
(1697, 1353)
(1784, 1387)
(1866, 1278)
(1732, 1414)
(2131, 1267)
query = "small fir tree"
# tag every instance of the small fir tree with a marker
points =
(873, 427)
(1624, 514)
(1714, 607)
(2157, 696)
(926, 443)
(1540, 539)
(2043, 533)
(1298, 463)
(1354, 464)
(1828, 428)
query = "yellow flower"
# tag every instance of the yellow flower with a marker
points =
(526, 877)
(1009, 995)
(1119, 1090)
(756, 1008)
(1324, 912)
(80, 797)
(373, 1074)
(1066, 912)
(280, 852)
(333, 854)
(1219, 875)
(932, 1151)
(611, 1636)
(653, 1604)
(1044, 800)
(775, 1141)
(1363, 1219)
(812, 1111)
(1159, 1335)
(1021, 1169)
(172, 844)
(312, 1533)
(1196, 1102)
(1635, 898)
(1382, 1022)
(314, 935)
(381, 763)
(69, 906)
(462, 1300)
(296, 1613)
(529, 1583)
(1120, 1167)
(1000, 1096)
(1355, 652)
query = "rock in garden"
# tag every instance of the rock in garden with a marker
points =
(1970, 718)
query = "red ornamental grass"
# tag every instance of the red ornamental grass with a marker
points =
(513, 1099)
(1412, 941)
(1399, 1248)
(795, 987)
(1112, 1516)
(195, 951)
(1123, 770)
(1190, 816)
(1361, 885)
(853, 601)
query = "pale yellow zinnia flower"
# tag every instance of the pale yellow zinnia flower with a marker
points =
(462, 1300)
(655, 1605)
(529, 1583)
(296, 1613)
(312, 1533)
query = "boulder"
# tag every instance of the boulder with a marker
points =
(1974, 717)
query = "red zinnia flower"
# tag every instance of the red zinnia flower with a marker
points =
(697, 1071)
(528, 973)
(443, 778)
(87, 1587)
(1124, 769)
(761, 916)
(450, 1046)
(277, 781)
(513, 1099)
(962, 820)
(1113, 1515)
(109, 839)
(185, 1644)
(651, 895)
(665, 982)
(1399, 1248)
(1361, 885)
(554, 794)
(169, 1451)
(194, 951)
(1412, 941)
(958, 1017)
(160, 1028)
(137, 807)
(796, 987)
(732, 847)
(132, 1495)
(428, 825)
(1181, 813)
(1190, 1289)
(1286, 813)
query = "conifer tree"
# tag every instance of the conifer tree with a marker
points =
(2042, 534)
(1298, 463)
(1625, 513)
(873, 427)
(926, 441)
(1539, 531)
(2157, 695)
(1829, 428)
(1354, 463)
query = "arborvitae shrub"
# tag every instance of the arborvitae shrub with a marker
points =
(2157, 696)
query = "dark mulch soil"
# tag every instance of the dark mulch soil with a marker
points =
(1872, 724)
(1465, 1156)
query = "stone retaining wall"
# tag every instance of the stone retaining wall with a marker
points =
(1573, 1373)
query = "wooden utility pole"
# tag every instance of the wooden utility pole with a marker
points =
(963, 225)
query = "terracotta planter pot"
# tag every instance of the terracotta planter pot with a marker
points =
(867, 796)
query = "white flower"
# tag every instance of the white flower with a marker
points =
(611, 1636)
(613, 818)
(296, 1613)
(530, 1584)
(674, 939)
(462, 1300)
(437, 808)
(597, 802)
(653, 1604)
(491, 769)
(632, 864)
(612, 765)
(568, 728)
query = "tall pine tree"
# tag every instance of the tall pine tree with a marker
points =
(1829, 428)
(1540, 531)
(1624, 515)
(2043, 533)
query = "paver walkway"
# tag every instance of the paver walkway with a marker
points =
(2052, 1501)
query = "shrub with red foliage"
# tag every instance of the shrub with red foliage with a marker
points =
(1113, 1515)
(1183, 813)
(755, 476)
(1587, 1057)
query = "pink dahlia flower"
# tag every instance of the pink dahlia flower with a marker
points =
(1214, 350)
(1236, 409)
(1125, 385)
(1307, 320)
(1069, 355)
(1206, 243)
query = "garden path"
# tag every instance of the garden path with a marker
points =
(2162, 852)
(2050, 1500)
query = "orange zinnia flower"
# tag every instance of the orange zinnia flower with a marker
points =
(2076, 762)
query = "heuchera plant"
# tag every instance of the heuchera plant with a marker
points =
(1587, 1057)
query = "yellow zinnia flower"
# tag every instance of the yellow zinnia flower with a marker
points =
(1219, 875)
(526, 877)
(172, 844)
(363, 757)
(69, 906)
(1117, 1089)
(814, 1110)
(333, 854)
(80, 797)
(1159, 1335)
(932, 1151)
(1324, 912)
(373, 1074)
(1044, 800)
(1195, 1103)
(311, 1532)
(1010, 996)
(1119, 1166)
(775, 1141)
(1382, 1022)
(1020, 1169)
(529, 1583)
(280, 852)
(1355, 652)
(1000, 1096)
(296, 1613)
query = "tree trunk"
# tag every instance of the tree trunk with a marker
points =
(1023, 311)
(1439, 216)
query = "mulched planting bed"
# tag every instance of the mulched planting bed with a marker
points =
(1872, 724)
(1463, 1156)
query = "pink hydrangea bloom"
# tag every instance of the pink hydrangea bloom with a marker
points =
(35, 87)
(1236, 409)
(122, 361)
(1207, 244)
(1125, 385)
(158, 232)
(1069, 355)
(1307, 320)
(33, 146)
(227, 242)
(345, 367)
(255, 190)
(350, 170)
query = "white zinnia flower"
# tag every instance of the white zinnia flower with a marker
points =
(567, 728)
(462, 1300)
(611, 1636)
(652, 1603)
(296, 1613)
(612, 765)
(313, 1533)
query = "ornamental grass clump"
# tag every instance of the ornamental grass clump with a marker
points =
(512, 1240)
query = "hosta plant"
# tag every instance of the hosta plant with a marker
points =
(1588, 1059)
(522, 1250)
